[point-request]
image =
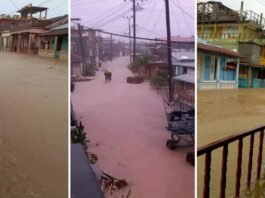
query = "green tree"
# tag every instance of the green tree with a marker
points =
(89, 70)
(140, 63)
(159, 80)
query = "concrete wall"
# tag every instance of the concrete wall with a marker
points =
(250, 51)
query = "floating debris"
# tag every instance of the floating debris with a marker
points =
(111, 183)
(93, 158)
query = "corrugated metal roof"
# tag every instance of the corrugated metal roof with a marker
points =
(64, 26)
(189, 77)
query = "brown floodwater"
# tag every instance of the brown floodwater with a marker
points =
(223, 113)
(33, 126)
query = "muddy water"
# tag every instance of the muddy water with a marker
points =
(33, 126)
(223, 113)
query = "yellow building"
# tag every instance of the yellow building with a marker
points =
(240, 31)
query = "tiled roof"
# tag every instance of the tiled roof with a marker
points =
(218, 50)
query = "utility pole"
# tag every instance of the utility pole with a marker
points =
(130, 46)
(111, 48)
(134, 25)
(81, 44)
(169, 55)
(134, 30)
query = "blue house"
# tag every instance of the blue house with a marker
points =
(218, 68)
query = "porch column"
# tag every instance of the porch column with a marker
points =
(237, 72)
(218, 72)
(55, 45)
(249, 77)
(18, 43)
(11, 43)
(29, 44)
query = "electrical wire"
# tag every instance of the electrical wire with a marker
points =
(182, 10)
(114, 18)
(184, 16)
(107, 14)
(13, 3)
(158, 19)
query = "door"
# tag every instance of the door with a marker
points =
(207, 68)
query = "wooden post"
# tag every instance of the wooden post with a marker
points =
(55, 45)
(239, 165)
(250, 159)
(207, 175)
(18, 43)
(224, 170)
(29, 44)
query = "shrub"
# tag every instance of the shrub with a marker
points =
(78, 135)
(89, 70)
(138, 66)
(135, 79)
(159, 80)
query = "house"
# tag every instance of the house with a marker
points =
(240, 31)
(217, 67)
(76, 66)
(184, 89)
(6, 22)
(24, 36)
(90, 47)
(183, 62)
(54, 40)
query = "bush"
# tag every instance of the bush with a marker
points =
(78, 135)
(159, 80)
(135, 79)
(138, 66)
(89, 70)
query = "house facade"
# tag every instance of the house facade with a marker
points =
(217, 67)
(54, 40)
(240, 31)
(25, 33)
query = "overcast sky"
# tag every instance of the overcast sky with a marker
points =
(56, 7)
(257, 6)
(150, 19)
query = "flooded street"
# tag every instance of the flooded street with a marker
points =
(223, 113)
(125, 124)
(33, 126)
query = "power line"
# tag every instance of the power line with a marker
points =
(126, 36)
(177, 24)
(183, 13)
(114, 18)
(107, 13)
(80, 3)
(149, 31)
(158, 19)
(150, 13)
(182, 10)
(13, 3)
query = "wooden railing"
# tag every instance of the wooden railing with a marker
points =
(224, 143)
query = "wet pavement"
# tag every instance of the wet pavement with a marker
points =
(126, 126)
(223, 113)
(33, 126)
